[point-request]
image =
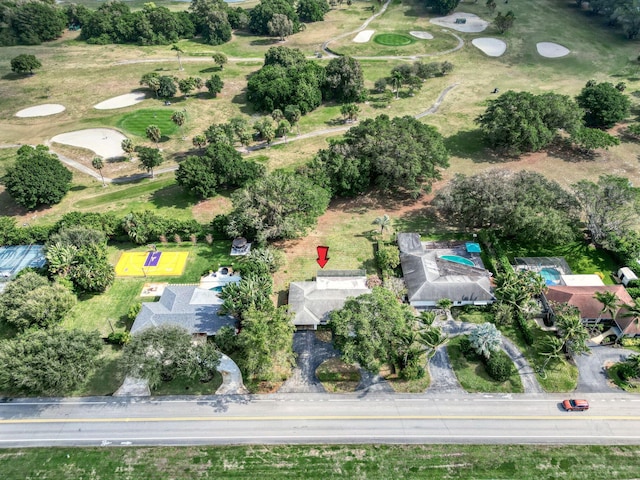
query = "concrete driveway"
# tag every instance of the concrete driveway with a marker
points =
(592, 376)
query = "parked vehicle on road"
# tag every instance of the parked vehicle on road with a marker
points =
(572, 404)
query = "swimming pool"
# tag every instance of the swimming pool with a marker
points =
(217, 288)
(458, 259)
(550, 275)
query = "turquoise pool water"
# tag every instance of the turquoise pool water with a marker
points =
(551, 276)
(458, 259)
(217, 289)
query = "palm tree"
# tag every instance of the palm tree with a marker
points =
(485, 338)
(179, 117)
(432, 338)
(610, 303)
(60, 258)
(632, 310)
(384, 222)
(98, 164)
(153, 134)
(427, 317)
(397, 78)
(571, 330)
(445, 304)
(178, 50)
(127, 146)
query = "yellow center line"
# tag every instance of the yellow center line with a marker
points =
(568, 417)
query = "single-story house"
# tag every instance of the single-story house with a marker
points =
(312, 301)
(436, 271)
(583, 298)
(189, 306)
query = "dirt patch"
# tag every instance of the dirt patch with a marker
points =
(206, 210)
(324, 335)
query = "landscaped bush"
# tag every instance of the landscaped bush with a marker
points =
(524, 328)
(630, 342)
(467, 350)
(499, 366)
(119, 338)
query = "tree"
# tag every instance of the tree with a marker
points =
(293, 114)
(265, 129)
(31, 23)
(397, 78)
(443, 7)
(220, 59)
(603, 105)
(523, 206)
(166, 87)
(179, 118)
(25, 63)
(53, 362)
(374, 329)
(37, 178)
(160, 354)
(266, 343)
(149, 158)
(280, 205)
(221, 166)
(491, 5)
(384, 222)
(186, 85)
(280, 26)
(241, 130)
(262, 13)
(504, 23)
(199, 141)
(485, 339)
(152, 81)
(312, 10)
(522, 122)
(214, 85)
(588, 139)
(344, 80)
(283, 128)
(517, 288)
(98, 164)
(610, 207)
(32, 301)
(252, 292)
(153, 133)
(571, 330)
(610, 303)
(127, 146)
(350, 111)
(405, 156)
(178, 50)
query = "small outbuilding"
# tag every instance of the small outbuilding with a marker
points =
(626, 275)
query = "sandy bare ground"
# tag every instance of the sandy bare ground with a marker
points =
(105, 142)
(363, 36)
(474, 23)
(41, 110)
(490, 46)
(421, 35)
(121, 101)
(552, 50)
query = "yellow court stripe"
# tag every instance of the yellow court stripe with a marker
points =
(319, 417)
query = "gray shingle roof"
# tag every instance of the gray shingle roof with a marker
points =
(312, 302)
(188, 306)
(430, 278)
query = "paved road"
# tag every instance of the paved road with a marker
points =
(323, 418)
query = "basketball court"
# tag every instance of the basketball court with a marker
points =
(151, 264)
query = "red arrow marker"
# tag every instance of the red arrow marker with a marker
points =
(322, 256)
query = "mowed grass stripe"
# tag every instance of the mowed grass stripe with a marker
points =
(128, 192)
(138, 121)
(311, 462)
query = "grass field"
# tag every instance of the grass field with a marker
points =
(392, 39)
(479, 462)
(472, 374)
(137, 122)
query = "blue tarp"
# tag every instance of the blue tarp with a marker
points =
(16, 257)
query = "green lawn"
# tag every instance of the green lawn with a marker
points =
(631, 386)
(137, 122)
(393, 39)
(183, 385)
(581, 257)
(479, 462)
(474, 378)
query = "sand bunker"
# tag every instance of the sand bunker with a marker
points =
(490, 46)
(473, 24)
(41, 110)
(363, 36)
(552, 50)
(421, 35)
(121, 101)
(103, 141)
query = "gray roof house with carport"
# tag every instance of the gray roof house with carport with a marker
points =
(189, 306)
(430, 278)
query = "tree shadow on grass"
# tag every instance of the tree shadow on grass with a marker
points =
(469, 144)
(210, 70)
(106, 378)
(77, 188)
(173, 196)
